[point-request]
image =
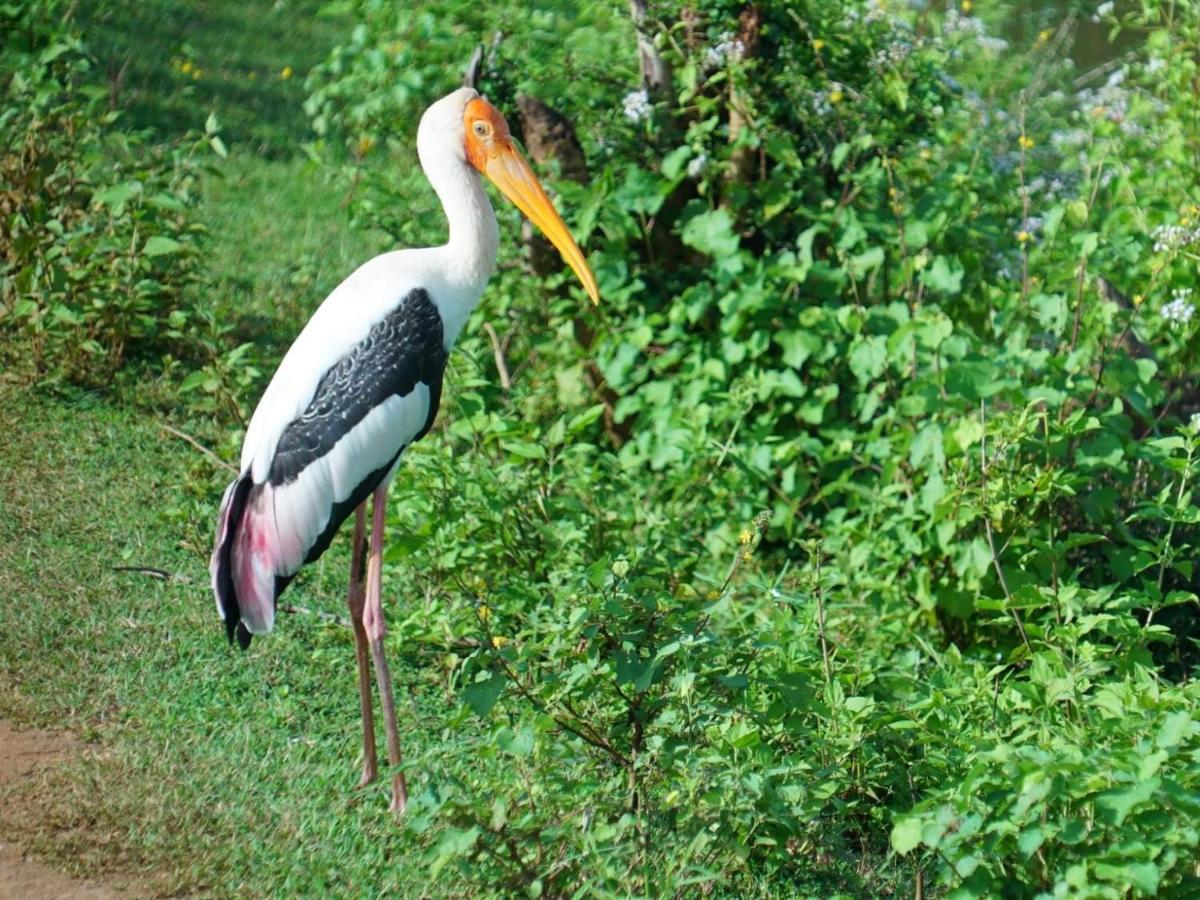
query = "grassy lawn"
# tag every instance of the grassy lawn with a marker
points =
(170, 63)
(216, 766)
(214, 770)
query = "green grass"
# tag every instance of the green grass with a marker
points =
(169, 63)
(222, 771)
(215, 771)
(279, 240)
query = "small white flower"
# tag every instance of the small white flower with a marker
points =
(727, 47)
(1103, 11)
(1155, 65)
(1173, 237)
(696, 165)
(1195, 421)
(1179, 311)
(637, 105)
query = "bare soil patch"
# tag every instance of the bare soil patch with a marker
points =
(23, 755)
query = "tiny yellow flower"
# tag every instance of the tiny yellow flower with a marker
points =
(818, 45)
(966, 6)
(1185, 221)
(196, 73)
(893, 193)
(365, 143)
(835, 97)
(1026, 142)
(746, 536)
(286, 73)
(747, 555)
(485, 613)
(499, 640)
(713, 595)
(1138, 299)
(185, 67)
(926, 154)
(1023, 236)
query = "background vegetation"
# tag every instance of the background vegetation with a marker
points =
(846, 548)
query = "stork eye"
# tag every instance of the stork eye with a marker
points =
(482, 129)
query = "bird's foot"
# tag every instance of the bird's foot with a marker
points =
(368, 776)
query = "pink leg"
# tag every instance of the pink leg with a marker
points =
(356, 599)
(376, 629)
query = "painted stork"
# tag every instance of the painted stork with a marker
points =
(362, 382)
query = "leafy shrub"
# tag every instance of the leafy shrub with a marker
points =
(871, 272)
(96, 245)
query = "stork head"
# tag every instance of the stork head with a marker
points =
(488, 146)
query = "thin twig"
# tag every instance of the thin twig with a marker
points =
(821, 623)
(987, 526)
(199, 446)
(498, 353)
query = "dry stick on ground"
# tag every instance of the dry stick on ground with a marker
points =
(199, 446)
(327, 616)
(160, 574)
(987, 524)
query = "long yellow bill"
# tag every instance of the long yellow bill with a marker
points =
(508, 170)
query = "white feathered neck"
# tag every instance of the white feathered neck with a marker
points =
(468, 258)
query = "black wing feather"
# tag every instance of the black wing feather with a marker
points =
(402, 350)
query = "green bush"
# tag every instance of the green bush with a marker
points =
(96, 243)
(867, 270)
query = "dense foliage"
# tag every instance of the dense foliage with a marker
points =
(850, 542)
(95, 239)
(936, 324)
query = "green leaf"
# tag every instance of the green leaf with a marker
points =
(906, 834)
(1144, 876)
(481, 696)
(944, 276)
(118, 195)
(158, 245)
(1119, 803)
(862, 263)
(524, 449)
(711, 233)
(1172, 732)
(1030, 840)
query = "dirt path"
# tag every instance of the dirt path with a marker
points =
(22, 754)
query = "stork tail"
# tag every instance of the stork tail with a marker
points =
(244, 564)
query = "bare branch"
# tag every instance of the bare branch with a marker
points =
(498, 353)
(656, 73)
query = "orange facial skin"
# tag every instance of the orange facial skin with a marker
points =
(485, 131)
(489, 148)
